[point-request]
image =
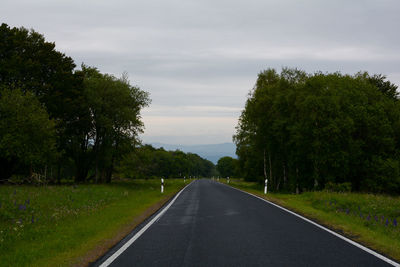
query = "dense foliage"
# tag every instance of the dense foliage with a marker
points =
(302, 131)
(24, 121)
(57, 122)
(147, 161)
(228, 167)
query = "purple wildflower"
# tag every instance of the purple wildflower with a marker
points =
(27, 201)
(347, 211)
(376, 218)
(361, 216)
(395, 222)
(387, 222)
(32, 219)
(369, 217)
(22, 207)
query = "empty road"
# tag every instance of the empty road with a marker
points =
(211, 224)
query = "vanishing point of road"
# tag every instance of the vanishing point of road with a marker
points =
(211, 224)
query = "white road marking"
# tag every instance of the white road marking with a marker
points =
(138, 234)
(326, 229)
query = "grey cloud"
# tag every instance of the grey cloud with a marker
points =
(208, 53)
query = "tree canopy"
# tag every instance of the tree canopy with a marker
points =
(90, 119)
(27, 135)
(147, 161)
(304, 130)
(228, 167)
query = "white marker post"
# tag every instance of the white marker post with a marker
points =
(266, 187)
(162, 185)
(227, 179)
(184, 179)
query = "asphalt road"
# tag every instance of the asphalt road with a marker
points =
(211, 224)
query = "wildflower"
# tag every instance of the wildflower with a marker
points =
(376, 218)
(387, 222)
(27, 201)
(32, 219)
(347, 211)
(394, 222)
(369, 217)
(22, 207)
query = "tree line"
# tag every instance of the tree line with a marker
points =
(308, 131)
(147, 161)
(57, 122)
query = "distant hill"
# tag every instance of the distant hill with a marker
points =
(212, 152)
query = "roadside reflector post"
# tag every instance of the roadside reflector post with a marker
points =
(184, 179)
(266, 187)
(162, 185)
(227, 179)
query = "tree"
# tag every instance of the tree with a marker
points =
(227, 166)
(29, 63)
(301, 131)
(146, 162)
(27, 135)
(114, 107)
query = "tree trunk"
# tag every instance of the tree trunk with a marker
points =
(284, 174)
(59, 173)
(270, 166)
(265, 166)
(297, 181)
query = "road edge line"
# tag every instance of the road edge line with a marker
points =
(116, 254)
(368, 250)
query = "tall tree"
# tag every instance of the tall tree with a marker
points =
(301, 131)
(27, 135)
(115, 112)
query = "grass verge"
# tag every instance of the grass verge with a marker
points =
(371, 220)
(73, 225)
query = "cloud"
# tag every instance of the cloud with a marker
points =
(199, 59)
(193, 130)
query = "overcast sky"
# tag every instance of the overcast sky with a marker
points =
(199, 59)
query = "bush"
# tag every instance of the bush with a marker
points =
(342, 187)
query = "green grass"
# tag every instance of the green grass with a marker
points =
(366, 218)
(67, 225)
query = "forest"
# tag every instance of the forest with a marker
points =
(59, 123)
(318, 131)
